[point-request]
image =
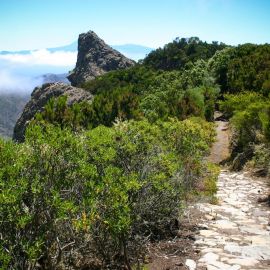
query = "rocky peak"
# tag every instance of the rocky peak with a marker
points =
(95, 58)
(40, 97)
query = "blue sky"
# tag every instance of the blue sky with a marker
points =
(35, 24)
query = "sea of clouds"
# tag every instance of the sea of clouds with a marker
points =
(20, 73)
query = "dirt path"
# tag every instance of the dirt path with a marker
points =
(220, 149)
(235, 234)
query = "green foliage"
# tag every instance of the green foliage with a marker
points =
(170, 82)
(127, 95)
(218, 65)
(237, 103)
(34, 204)
(137, 78)
(243, 68)
(108, 106)
(156, 96)
(250, 114)
(97, 181)
(250, 68)
(181, 52)
(210, 182)
(57, 112)
(100, 193)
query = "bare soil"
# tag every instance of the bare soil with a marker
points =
(171, 254)
(220, 149)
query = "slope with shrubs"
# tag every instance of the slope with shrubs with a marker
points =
(155, 95)
(242, 68)
(250, 120)
(243, 74)
(93, 183)
(94, 198)
(181, 52)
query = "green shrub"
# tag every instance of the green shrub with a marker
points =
(250, 118)
(180, 53)
(167, 94)
(242, 68)
(97, 195)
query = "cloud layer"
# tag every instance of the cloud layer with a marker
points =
(15, 83)
(41, 57)
(19, 73)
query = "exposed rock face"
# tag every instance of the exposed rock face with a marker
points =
(39, 99)
(95, 58)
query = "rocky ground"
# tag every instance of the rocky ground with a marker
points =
(233, 234)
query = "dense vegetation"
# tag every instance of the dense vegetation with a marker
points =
(244, 73)
(243, 68)
(92, 183)
(250, 119)
(181, 52)
(155, 95)
(96, 197)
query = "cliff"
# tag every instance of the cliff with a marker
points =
(95, 58)
(39, 98)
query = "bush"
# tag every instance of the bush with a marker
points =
(94, 198)
(155, 96)
(242, 68)
(250, 119)
(180, 53)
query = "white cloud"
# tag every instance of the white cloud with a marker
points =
(42, 57)
(14, 83)
(21, 72)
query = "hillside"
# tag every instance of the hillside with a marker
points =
(11, 106)
(13, 101)
(103, 172)
(188, 77)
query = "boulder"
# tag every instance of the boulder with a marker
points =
(39, 98)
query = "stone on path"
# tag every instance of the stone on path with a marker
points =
(191, 264)
(236, 233)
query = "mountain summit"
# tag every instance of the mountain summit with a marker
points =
(95, 58)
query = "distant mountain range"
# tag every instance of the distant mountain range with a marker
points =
(11, 106)
(52, 78)
(132, 51)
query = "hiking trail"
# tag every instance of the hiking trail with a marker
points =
(235, 233)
